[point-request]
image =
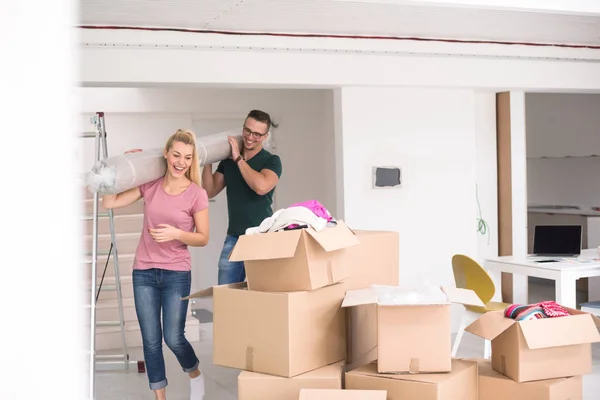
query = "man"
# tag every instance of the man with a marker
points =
(250, 176)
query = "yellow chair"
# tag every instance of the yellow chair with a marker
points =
(468, 274)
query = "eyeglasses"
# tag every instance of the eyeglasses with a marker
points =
(255, 135)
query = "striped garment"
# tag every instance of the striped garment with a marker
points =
(544, 309)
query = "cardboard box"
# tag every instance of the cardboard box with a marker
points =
(323, 394)
(539, 349)
(411, 338)
(459, 384)
(255, 386)
(295, 260)
(283, 334)
(374, 261)
(495, 386)
(361, 337)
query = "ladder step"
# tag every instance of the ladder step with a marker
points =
(111, 356)
(138, 366)
(106, 288)
(108, 323)
(99, 252)
(87, 134)
(90, 217)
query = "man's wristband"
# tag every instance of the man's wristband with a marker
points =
(237, 160)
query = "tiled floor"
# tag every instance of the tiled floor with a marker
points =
(222, 382)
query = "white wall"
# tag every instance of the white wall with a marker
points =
(564, 181)
(561, 126)
(41, 243)
(430, 135)
(433, 136)
(304, 139)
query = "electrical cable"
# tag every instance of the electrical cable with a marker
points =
(482, 226)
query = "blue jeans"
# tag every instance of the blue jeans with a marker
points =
(153, 290)
(230, 272)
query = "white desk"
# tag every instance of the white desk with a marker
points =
(564, 273)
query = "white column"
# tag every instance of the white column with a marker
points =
(41, 289)
(487, 181)
(594, 243)
(339, 151)
(486, 173)
(519, 186)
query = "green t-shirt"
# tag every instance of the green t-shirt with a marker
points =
(247, 209)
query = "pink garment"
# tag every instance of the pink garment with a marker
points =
(317, 208)
(177, 211)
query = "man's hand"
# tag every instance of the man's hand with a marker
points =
(235, 148)
(165, 234)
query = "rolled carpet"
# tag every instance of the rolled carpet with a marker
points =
(122, 172)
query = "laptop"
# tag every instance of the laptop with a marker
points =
(557, 240)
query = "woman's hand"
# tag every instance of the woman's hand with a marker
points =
(165, 234)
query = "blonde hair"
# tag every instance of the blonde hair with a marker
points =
(186, 136)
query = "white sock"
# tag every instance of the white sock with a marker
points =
(197, 388)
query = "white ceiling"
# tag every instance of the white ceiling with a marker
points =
(342, 17)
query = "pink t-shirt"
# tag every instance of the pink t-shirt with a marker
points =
(175, 210)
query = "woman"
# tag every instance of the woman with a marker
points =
(174, 205)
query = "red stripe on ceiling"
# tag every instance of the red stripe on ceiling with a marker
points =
(314, 35)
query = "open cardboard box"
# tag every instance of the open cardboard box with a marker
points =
(411, 338)
(331, 394)
(284, 334)
(542, 348)
(295, 260)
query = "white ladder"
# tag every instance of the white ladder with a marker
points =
(113, 361)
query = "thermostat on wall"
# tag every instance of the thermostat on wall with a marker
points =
(386, 177)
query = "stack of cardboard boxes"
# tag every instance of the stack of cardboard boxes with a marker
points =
(307, 314)
(285, 327)
(541, 359)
